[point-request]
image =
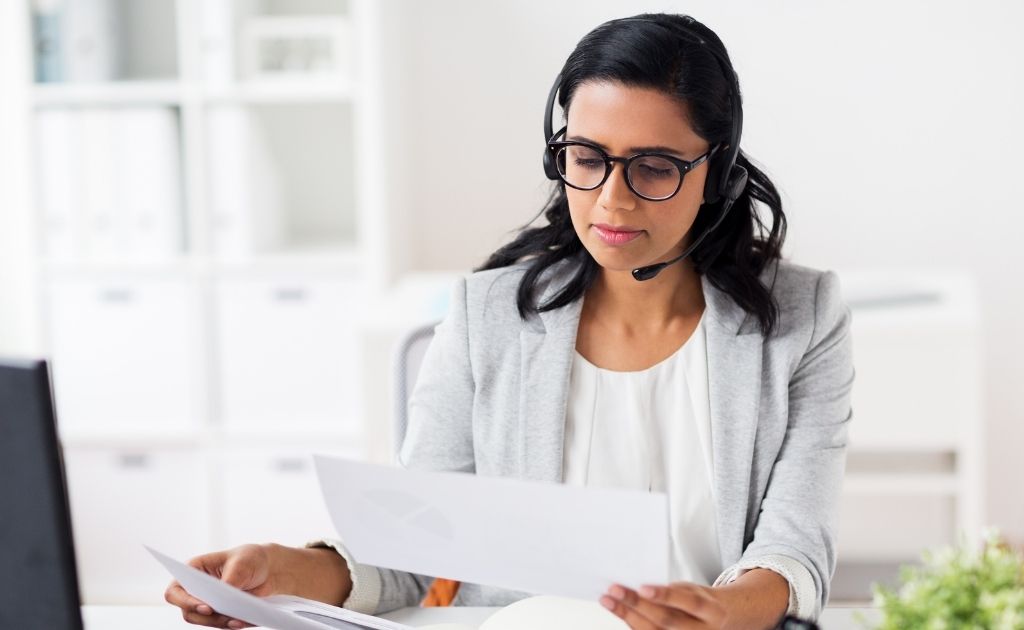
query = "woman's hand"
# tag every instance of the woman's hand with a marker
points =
(264, 570)
(679, 605)
(758, 599)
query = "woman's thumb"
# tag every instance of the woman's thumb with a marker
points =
(248, 568)
(241, 571)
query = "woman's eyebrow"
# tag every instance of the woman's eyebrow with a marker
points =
(651, 149)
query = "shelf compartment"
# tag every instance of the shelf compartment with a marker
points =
(105, 41)
(109, 183)
(282, 179)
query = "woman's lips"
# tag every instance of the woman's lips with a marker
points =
(615, 236)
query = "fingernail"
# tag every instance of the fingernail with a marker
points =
(608, 603)
(203, 609)
(617, 592)
(646, 591)
(234, 623)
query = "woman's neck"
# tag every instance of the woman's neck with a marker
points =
(617, 300)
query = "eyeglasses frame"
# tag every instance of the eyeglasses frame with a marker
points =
(684, 166)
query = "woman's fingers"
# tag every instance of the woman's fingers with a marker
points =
(212, 621)
(179, 597)
(690, 598)
(644, 614)
(211, 563)
(246, 567)
(198, 612)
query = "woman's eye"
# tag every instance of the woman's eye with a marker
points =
(589, 163)
(646, 170)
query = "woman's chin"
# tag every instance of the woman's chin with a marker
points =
(615, 261)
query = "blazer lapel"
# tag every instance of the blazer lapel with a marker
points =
(547, 344)
(734, 391)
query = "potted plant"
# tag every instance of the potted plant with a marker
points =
(959, 588)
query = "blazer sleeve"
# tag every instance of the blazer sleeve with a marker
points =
(440, 432)
(439, 437)
(799, 512)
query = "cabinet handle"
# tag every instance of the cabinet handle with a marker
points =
(135, 461)
(290, 294)
(290, 464)
(117, 296)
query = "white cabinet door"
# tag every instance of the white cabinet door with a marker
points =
(288, 353)
(893, 527)
(917, 386)
(124, 498)
(272, 495)
(125, 352)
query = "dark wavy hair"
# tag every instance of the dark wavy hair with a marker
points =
(650, 53)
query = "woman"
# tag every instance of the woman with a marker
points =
(721, 377)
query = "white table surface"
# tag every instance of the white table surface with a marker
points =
(167, 617)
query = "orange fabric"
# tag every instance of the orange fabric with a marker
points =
(441, 592)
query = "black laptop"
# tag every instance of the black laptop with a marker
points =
(38, 579)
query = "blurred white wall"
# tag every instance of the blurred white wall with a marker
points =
(891, 129)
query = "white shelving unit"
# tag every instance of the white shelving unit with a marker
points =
(195, 376)
(914, 469)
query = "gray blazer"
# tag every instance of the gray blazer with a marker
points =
(492, 393)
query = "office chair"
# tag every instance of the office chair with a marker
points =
(408, 357)
(406, 364)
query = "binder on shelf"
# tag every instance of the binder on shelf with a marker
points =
(109, 183)
(218, 42)
(57, 183)
(104, 233)
(149, 195)
(244, 188)
(90, 34)
(48, 41)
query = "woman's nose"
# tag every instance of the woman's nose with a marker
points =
(615, 193)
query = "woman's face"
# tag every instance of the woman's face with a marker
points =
(623, 120)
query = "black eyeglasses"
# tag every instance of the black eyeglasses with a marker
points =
(651, 176)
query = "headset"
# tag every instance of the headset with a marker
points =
(726, 179)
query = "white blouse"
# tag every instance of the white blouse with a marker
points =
(651, 430)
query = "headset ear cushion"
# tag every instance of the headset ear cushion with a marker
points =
(550, 168)
(711, 181)
(738, 177)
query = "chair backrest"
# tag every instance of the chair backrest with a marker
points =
(408, 357)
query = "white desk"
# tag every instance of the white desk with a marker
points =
(169, 618)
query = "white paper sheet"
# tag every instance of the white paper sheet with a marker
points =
(285, 615)
(542, 538)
